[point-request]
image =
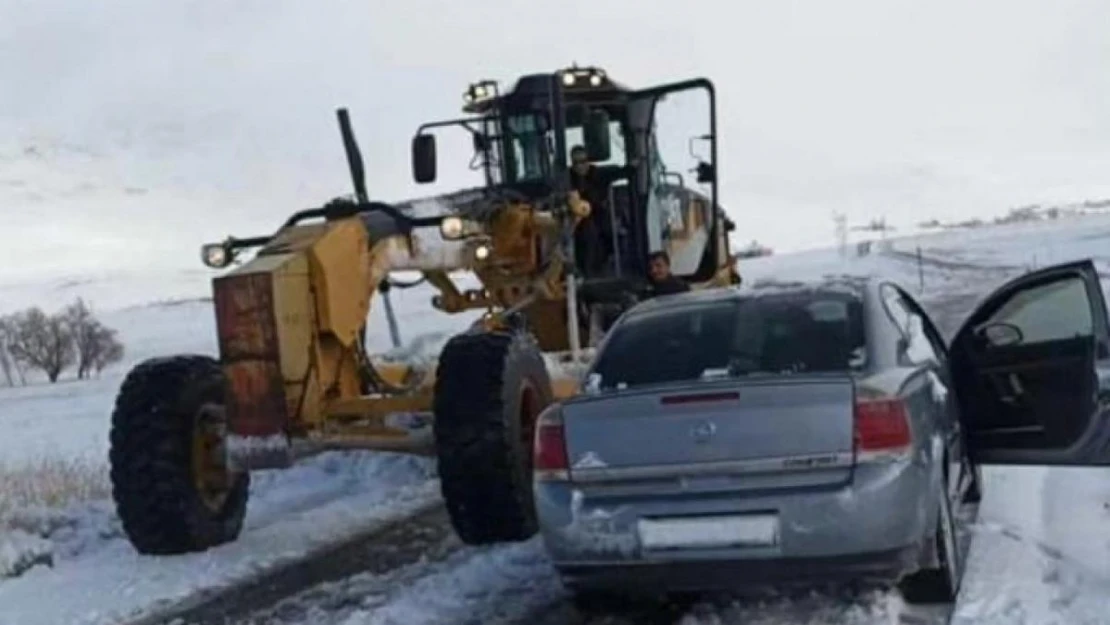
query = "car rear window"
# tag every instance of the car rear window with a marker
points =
(771, 334)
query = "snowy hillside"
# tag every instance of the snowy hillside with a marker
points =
(1039, 554)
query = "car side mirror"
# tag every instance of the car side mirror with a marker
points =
(1000, 334)
(595, 135)
(424, 158)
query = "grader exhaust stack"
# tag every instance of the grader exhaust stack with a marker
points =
(358, 178)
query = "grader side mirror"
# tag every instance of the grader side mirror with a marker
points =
(481, 144)
(595, 135)
(424, 158)
(706, 173)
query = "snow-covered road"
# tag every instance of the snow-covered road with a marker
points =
(1039, 555)
(1040, 552)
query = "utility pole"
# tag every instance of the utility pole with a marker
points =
(841, 221)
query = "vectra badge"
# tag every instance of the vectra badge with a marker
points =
(703, 431)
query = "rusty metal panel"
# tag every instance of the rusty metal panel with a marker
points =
(248, 341)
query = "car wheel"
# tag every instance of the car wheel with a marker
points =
(939, 584)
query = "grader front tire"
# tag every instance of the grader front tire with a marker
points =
(166, 453)
(490, 386)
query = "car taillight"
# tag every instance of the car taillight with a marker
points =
(882, 426)
(549, 454)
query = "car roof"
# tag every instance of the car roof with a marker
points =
(859, 286)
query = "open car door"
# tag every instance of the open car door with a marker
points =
(1027, 375)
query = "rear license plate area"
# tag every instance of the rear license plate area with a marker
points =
(709, 532)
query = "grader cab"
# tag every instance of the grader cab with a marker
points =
(293, 376)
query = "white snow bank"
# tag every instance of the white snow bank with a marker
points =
(1041, 550)
(292, 513)
(20, 551)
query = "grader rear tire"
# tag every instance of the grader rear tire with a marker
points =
(490, 386)
(166, 451)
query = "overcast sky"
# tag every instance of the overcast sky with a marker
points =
(219, 116)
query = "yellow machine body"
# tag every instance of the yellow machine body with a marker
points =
(290, 322)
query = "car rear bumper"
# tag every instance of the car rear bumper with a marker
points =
(870, 527)
(730, 574)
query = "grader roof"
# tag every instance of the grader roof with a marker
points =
(537, 87)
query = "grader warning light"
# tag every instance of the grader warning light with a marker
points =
(293, 375)
(480, 91)
(583, 77)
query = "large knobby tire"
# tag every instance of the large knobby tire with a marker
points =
(942, 583)
(490, 386)
(163, 412)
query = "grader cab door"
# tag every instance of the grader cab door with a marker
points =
(680, 145)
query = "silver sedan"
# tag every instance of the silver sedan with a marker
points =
(811, 432)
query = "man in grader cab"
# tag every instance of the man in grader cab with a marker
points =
(294, 376)
(594, 237)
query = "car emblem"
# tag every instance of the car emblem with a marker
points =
(703, 431)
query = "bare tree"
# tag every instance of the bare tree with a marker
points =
(8, 326)
(96, 345)
(84, 328)
(43, 342)
(109, 349)
(6, 364)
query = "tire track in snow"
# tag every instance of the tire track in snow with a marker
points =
(399, 543)
(450, 583)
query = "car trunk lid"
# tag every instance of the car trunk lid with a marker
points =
(741, 427)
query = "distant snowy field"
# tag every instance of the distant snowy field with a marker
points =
(97, 578)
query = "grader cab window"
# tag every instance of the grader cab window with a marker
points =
(617, 154)
(529, 148)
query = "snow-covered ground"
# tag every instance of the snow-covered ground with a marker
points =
(96, 577)
(1040, 553)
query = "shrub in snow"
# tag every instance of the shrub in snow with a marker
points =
(20, 551)
(51, 482)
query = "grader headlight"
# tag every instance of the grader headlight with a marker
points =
(215, 255)
(452, 228)
(482, 252)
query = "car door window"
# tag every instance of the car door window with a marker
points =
(1049, 312)
(919, 349)
(921, 320)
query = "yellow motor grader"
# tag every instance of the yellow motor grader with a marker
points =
(293, 376)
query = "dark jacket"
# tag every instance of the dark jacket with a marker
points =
(593, 186)
(669, 286)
